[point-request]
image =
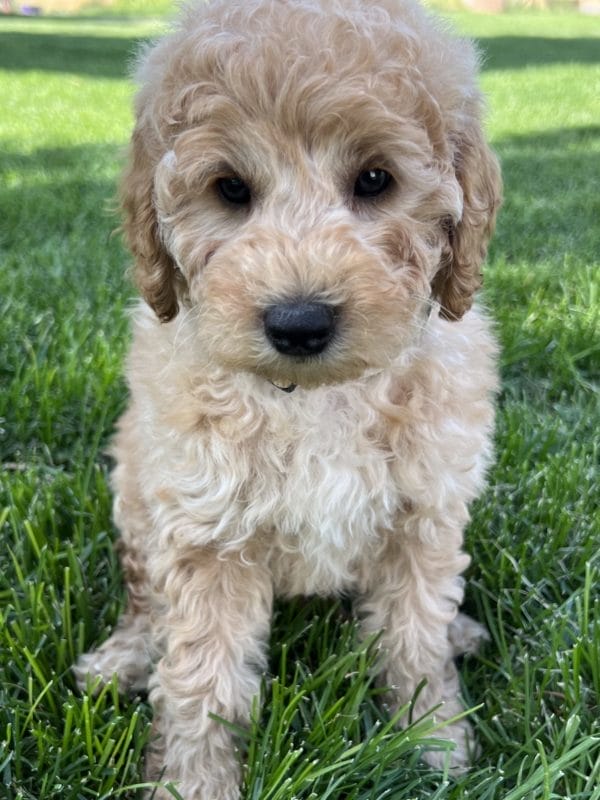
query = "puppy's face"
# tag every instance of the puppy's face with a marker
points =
(309, 221)
(309, 257)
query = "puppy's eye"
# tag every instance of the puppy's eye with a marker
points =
(234, 190)
(372, 182)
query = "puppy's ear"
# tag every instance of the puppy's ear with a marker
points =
(459, 276)
(155, 272)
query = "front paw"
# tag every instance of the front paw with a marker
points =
(461, 755)
(197, 770)
(193, 790)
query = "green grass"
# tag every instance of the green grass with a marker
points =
(534, 536)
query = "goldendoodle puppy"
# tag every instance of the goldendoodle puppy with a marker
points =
(309, 201)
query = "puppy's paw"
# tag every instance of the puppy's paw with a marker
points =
(130, 665)
(462, 755)
(194, 791)
(466, 635)
(197, 772)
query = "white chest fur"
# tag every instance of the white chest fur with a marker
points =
(334, 490)
(305, 474)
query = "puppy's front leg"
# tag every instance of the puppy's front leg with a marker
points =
(413, 598)
(212, 630)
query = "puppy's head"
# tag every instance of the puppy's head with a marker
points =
(309, 179)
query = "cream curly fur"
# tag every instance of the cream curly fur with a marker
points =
(229, 491)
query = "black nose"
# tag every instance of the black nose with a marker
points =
(300, 329)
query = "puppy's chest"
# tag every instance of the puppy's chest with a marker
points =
(322, 487)
(311, 484)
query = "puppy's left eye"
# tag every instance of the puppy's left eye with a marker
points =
(234, 190)
(372, 182)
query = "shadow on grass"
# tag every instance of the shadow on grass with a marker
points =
(63, 294)
(57, 159)
(540, 279)
(552, 205)
(97, 56)
(59, 191)
(517, 52)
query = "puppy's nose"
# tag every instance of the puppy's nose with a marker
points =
(300, 329)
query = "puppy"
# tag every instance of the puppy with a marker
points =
(308, 201)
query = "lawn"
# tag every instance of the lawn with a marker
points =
(64, 294)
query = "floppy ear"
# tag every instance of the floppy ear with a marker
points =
(478, 174)
(154, 271)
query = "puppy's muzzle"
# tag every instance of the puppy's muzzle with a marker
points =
(300, 328)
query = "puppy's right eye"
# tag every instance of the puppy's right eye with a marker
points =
(234, 190)
(372, 182)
